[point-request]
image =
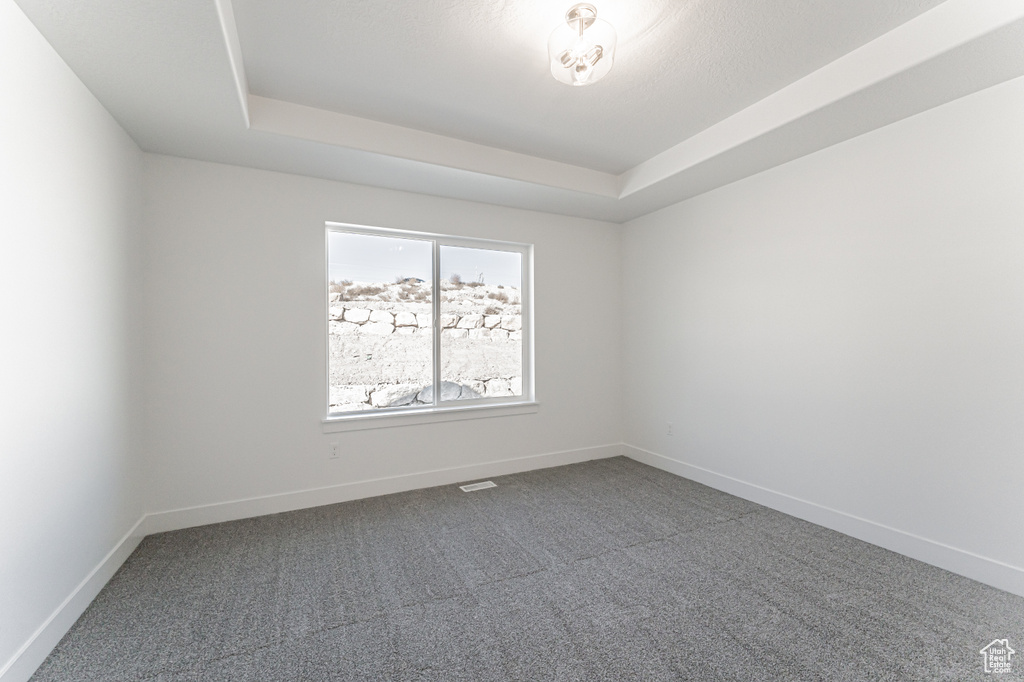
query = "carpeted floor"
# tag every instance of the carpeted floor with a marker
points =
(607, 570)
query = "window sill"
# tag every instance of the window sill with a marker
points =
(361, 420)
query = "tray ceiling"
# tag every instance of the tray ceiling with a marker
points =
(455, 99)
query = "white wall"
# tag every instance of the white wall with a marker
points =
(235, 341)
(69, 193)
(847, 330)
(840, 337)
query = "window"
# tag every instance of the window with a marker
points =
(422, 322)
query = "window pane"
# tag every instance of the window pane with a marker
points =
(481, 323)
(380, 341)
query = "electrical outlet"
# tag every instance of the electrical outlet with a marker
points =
(334, 451)
(669, 430)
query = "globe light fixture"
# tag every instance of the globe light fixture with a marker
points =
(582, 50)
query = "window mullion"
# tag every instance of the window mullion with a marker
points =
(436, 315)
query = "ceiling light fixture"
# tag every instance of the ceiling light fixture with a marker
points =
(583, 50)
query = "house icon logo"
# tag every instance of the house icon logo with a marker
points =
(997, 656)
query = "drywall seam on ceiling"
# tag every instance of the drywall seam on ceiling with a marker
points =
(938, 31)
(944, 28)
(226, 15)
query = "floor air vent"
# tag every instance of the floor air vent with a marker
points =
(477, 486)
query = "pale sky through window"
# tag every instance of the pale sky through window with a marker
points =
(372, 258)
(497, 267)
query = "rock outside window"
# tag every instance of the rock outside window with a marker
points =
(422, 322)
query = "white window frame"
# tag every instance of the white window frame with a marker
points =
(449, 411)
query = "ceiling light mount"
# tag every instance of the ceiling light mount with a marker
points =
(582, 50)
(581, 16)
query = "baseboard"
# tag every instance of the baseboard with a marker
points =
(984, 570)
(30, 656)
(177, 519)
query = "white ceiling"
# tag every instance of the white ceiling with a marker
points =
(478, 70)
(454, 97)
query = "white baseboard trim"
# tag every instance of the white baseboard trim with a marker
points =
(177, 519)
(29, 657)
(32, 653)
(973, 566)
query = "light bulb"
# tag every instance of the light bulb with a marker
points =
(581, 73)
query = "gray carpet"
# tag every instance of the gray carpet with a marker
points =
(607, 570)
